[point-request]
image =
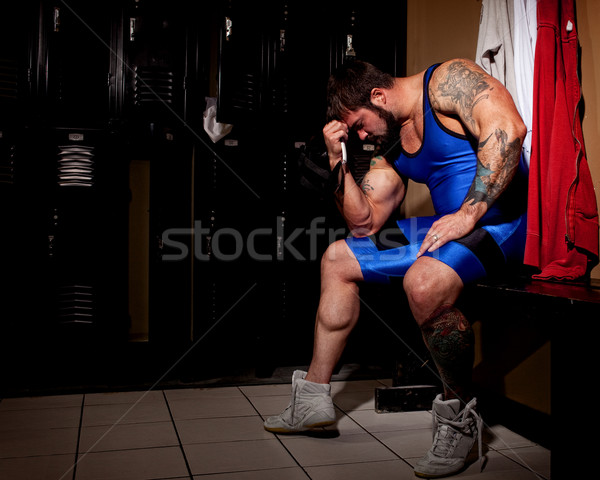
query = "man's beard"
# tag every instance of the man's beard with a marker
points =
(391, 137)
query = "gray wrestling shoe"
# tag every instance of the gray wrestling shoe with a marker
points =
(311, 407)
(454, 434)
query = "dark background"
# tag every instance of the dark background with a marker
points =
(120, 80)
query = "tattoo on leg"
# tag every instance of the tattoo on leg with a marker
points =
(451, 342)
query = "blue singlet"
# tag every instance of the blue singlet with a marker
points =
(446, 162)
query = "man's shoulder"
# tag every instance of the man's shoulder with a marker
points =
(455, 66)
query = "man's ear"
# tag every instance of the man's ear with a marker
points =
(378, 97)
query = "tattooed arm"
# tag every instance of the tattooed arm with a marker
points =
(480, 105)
(367, 206)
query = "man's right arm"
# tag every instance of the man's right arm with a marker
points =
(366, 207)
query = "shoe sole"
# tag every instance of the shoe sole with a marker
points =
(440, 475)
(427, 475)
(434, 475)
(305, 428)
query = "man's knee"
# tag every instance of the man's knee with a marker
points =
(428, 285)
(338, 261)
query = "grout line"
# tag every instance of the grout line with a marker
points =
(518, 459)
(187, 464)
(74, 466)
(373, 436)
(276, 436)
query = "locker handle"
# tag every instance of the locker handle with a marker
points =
(56, 19)
(228, 28)
(132, 29)
(349, 48)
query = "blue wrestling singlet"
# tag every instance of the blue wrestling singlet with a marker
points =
(446, 162)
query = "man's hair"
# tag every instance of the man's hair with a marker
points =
(349, 88)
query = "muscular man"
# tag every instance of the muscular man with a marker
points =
(456, 129)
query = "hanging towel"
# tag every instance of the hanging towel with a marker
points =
(562, 223)
(524, 39)
(495, 44)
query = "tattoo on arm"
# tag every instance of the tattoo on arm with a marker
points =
(366, 186)
(493, 177)
(462, 85)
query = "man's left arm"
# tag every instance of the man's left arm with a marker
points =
(487, 111)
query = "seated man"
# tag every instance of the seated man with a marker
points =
(456, 129)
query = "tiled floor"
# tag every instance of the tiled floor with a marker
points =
(216, 434)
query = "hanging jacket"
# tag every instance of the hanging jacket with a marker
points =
(562, 222)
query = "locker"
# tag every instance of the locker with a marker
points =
(162, 64)
(74, 61)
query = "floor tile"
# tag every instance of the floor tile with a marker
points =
(267, 390)
(144, 464)
(499, 437)
(535, 458)
(205, 430)
(50, 467)
(207, 458)
(125, 413)
(385, 422)
(34, 442)
(309, 451)
(273, 405)
(50, 401)
(203, 393)
(127, 436)
(407, 443)
(37, 419)
(344, 424)
(295, 473)
(110, 398)
(211, 407)
(388, 470)
(357, 400)
(131, 436)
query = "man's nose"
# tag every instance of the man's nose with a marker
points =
(362, 134)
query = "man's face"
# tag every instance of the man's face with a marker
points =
(377, 125)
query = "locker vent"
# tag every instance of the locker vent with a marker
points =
(246, 96)
(8, 80)
(153, 85)
(7, 163)
(76, 166)
(76, 304)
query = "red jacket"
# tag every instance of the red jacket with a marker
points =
(562, 222)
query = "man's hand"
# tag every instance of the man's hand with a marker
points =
(449, 227)
(334, 133)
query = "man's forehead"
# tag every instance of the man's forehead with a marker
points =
(353, 117)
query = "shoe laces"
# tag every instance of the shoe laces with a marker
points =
(292, 405)
(449, 430)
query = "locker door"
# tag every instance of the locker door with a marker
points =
(74, 62)
(170, 237)
(162, 64)
(87, 230)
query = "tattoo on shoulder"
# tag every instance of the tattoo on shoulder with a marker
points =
(376, 159)
(463, 85)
